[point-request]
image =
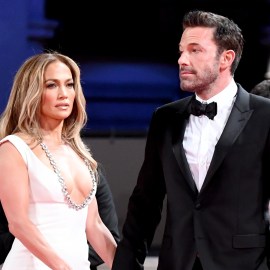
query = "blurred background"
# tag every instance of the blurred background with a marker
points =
(128, 52)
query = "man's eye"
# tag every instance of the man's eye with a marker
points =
(195, 50)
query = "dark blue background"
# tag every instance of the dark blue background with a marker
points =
(127, 51)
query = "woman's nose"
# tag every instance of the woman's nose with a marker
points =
(62, 92)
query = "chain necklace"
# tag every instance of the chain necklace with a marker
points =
(63, 184)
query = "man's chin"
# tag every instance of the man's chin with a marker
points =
(187, 88)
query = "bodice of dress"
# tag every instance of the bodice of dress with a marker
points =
(62, 226)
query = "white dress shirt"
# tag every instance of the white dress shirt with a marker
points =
(202, 133)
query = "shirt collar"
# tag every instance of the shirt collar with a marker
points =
(224, 97)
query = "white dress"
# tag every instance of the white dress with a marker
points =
(62, 226)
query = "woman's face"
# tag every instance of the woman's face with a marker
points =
(58, 93)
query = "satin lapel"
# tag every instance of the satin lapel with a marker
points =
(238, 118)
(178, 130)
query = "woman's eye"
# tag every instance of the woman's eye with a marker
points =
(50, 85)
(70, 85)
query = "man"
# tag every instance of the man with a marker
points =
(210, 160)
(107, 213)
(262, 88)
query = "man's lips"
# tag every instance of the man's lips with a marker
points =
(185, 73)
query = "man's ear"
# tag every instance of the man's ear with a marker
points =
(226, 59)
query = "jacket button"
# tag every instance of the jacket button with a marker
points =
(197, 205)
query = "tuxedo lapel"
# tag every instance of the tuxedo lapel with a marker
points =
(178, 130)
(238, 118)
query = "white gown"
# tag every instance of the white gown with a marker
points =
(62, 226)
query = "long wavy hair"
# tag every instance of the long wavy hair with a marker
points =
(23, 108)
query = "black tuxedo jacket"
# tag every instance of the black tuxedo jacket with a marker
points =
(224, 224)
(6, 238)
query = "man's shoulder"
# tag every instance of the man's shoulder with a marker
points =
(175, 106)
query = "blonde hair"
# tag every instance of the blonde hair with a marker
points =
(22, 111)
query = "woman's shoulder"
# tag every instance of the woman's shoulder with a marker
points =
(26, 139)
(17, 142)
(10, 148)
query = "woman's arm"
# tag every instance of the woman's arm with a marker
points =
(14, 196)
(107, 212)
(99, 236)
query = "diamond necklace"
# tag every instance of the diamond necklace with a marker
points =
(63, 184)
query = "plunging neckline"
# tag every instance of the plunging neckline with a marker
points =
(64, 190)
(61, 180)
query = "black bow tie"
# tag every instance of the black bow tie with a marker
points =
(197, 108)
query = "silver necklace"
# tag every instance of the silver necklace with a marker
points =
(63, 184)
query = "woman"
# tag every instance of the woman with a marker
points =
(48, 176)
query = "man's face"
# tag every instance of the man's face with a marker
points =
(198, 62)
